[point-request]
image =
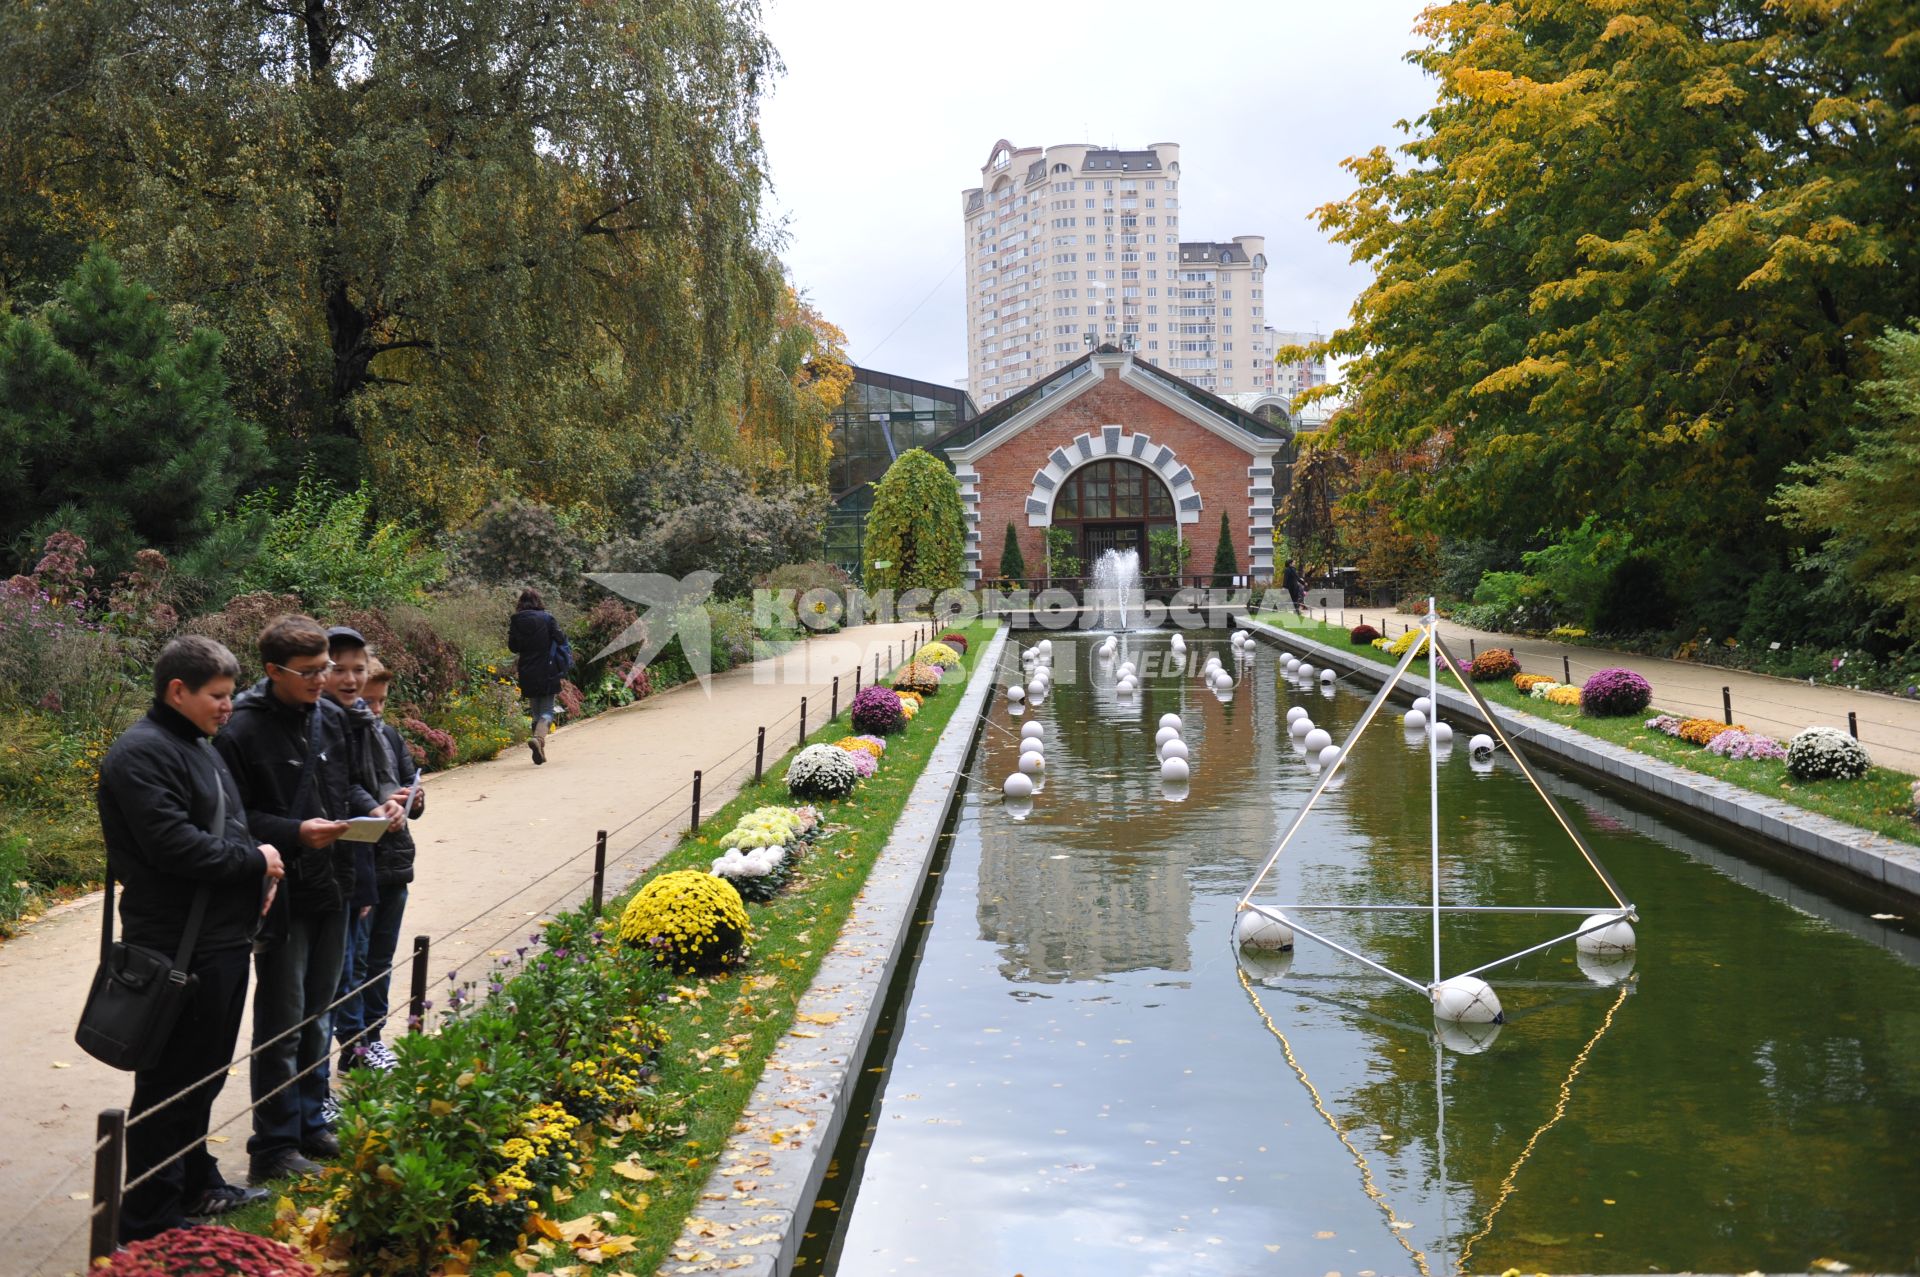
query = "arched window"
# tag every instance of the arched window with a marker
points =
(1112, 505)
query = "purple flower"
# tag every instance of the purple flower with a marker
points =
(1612, 693)
(876, 711)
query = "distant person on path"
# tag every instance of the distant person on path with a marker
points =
(1296, 588)
(288, 751)
(159, 794)
(536, 639)
(392, 867)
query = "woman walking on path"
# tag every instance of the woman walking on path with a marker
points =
(535, 637)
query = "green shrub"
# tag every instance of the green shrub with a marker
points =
(819, 592)
(1061, 560)
(520, 543)
(1167, 552)
(917, 530)
(327, 547)
(1575, 568)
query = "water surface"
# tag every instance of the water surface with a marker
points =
(1081, 1078)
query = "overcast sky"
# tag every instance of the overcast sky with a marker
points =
(888, 110)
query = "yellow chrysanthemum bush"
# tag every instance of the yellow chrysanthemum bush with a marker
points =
(1565, 694)
(690, 922)
(937, 654)
(1400, 645)
(866, 744)
(918, 678)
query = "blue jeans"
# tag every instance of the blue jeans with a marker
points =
(539, 707)
(349, 1018)
(383, 938)
(293, 981)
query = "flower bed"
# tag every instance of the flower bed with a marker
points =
(1615, 693)
(876, 712)
(1494, 663)
(822, 771)
(1821, 753)
(691, 923)
(1362, 635)
(1527, 682)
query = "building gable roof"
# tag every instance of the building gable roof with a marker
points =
(1035, 403)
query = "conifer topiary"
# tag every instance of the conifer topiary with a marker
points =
(1013, 564)
(1225, 565)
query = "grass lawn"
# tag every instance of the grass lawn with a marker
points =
(722, 1029)
(1881, 801)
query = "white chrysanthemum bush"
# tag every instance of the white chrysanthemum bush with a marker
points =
(1821, 753)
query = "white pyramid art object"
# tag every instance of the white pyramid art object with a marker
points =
(1461, 998)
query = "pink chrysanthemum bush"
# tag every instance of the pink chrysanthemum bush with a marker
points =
(1735, 743)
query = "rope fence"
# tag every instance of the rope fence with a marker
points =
(110, 1183)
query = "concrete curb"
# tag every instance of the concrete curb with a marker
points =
(1879, 861)
(785, 1138)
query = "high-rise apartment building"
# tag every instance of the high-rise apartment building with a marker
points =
(1218, 336)
(1301, 375)
(1074, 247)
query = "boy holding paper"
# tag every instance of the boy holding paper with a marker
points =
(286, 746)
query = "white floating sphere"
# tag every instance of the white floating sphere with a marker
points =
(1036, 690)
(1018, 785)
(1164, 735)
(1305, 671)
(1415, 720)
(1466, 1038)
(1442, 734)
(1174, 769)
(1032, 764)
(1604, 968)
(1032, 745)
(1239, 636)
(1046, 645)
(1016, 693)
(1297, 713)
(1329, 755)
(1290, 664)
(1299, 727)
(1033, 731)
(1615, 938)
(1423, 704)
(1126, 683)
(1171, 720)
(1466, 999)
(1179, 644)
(1480, 744)
(1326, 676)
(1222, 681)
(1317, 739)
(1253, 929)
(1175, 748)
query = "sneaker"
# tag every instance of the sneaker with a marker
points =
(381, 1056)
(285, 1164)
(330, 1110)
(222, 1198)
(321, 1145)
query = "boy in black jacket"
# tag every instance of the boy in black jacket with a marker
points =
(159, 788)
(287, 748)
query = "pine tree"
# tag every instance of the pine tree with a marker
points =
(1013, 565)
(115, 428)
(1225, 566)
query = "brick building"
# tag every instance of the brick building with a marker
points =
(1114, 449)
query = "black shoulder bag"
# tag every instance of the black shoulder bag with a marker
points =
(138, 993)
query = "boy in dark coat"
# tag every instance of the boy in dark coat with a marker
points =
(159, 793)
(392, 864)
(287, 748)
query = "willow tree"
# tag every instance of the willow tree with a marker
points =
(1631, 261)
(916, 531)
(489, 246)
